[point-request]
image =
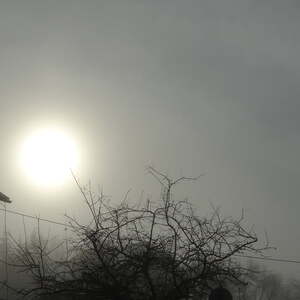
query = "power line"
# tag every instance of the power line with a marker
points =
(270, 258)
(36, 218)
(284, 260)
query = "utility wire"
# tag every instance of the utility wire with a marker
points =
(284, 260)
(269, 258)
(36, 218)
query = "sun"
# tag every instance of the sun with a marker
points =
(48, 155)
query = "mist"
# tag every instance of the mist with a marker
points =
(190, 88)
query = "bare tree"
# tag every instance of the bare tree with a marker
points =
(152, 250)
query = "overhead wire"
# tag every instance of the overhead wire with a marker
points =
(273, 259)
(35, 217)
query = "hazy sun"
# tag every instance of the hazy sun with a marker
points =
(48, 155)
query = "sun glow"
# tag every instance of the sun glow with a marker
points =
(47, 156)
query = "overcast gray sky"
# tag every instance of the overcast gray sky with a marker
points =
(187, 86)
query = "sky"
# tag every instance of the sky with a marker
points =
(189, 87)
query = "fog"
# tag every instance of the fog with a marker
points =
(189, 87)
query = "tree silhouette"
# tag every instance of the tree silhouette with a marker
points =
(151, 250)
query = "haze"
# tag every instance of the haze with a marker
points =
(189, 87)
